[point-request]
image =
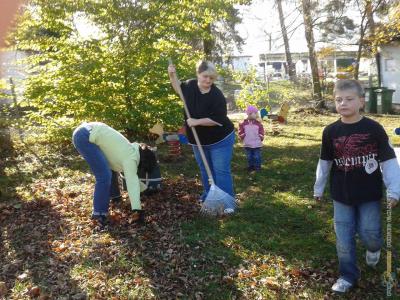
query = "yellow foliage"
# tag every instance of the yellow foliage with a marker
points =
(389, 31)
(325, 52)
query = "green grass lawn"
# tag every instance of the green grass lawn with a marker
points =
(279, 245)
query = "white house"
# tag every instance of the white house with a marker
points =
(240, 63)
(390, 68)
(332, 64)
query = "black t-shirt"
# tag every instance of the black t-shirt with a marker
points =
(210, 105)
(356, 150)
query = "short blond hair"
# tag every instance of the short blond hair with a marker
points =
(204, 66)
(349, 84)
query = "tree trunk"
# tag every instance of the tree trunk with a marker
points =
(369, 15)
(291, 66)
(357, 65)
(369, 11)
(208, 44)
(360, 48)
(308, 25)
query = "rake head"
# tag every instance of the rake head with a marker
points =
(217, 201)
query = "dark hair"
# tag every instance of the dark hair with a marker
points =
(206, 66)
(349, 84)
(148, 159)
(202, 66)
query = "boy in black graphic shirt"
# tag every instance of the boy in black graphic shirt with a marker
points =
(358, 156)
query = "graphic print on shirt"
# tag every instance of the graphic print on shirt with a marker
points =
(355, 151)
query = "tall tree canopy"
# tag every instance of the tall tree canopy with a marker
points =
(117, 74)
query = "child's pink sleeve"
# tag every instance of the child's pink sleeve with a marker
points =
(241, 131)
(261, 130)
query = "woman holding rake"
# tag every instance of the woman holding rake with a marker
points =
(208, 114)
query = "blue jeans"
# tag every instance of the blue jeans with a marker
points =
(253, 157)
(106, 186)
(219, 156)
(364, 219)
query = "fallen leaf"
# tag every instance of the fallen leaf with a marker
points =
(3, 289)
(228, 279)
(271, 282)
(296, 273)
(22, 276)
(44, 297)
(34, 292)
(79, 296)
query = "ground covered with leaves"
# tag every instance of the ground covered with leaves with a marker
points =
(279, 245)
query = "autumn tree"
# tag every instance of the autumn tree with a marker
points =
(289, 61)
(307, 9)
(117, 72)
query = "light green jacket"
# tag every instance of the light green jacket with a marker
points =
(122, 156)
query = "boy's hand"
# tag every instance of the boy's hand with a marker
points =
(392, 202)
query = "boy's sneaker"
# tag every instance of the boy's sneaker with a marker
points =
(341, 286)
(372, 258)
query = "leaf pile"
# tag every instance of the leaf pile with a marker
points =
(44, 240)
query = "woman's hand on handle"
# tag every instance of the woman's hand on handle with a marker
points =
(171, 69)
(176, 84)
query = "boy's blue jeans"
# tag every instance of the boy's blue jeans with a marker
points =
(106, 186)
(253, 157)
(219, 158)
(364, 219)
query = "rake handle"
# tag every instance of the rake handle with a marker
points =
(196, 137)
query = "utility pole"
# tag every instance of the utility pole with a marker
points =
(269, 39)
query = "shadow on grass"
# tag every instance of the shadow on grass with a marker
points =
(32, 260)
(267, 223)
(157, 260)
(298, 136)
(271, 205)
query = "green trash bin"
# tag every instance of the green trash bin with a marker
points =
(370, 100)
(384, 100)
